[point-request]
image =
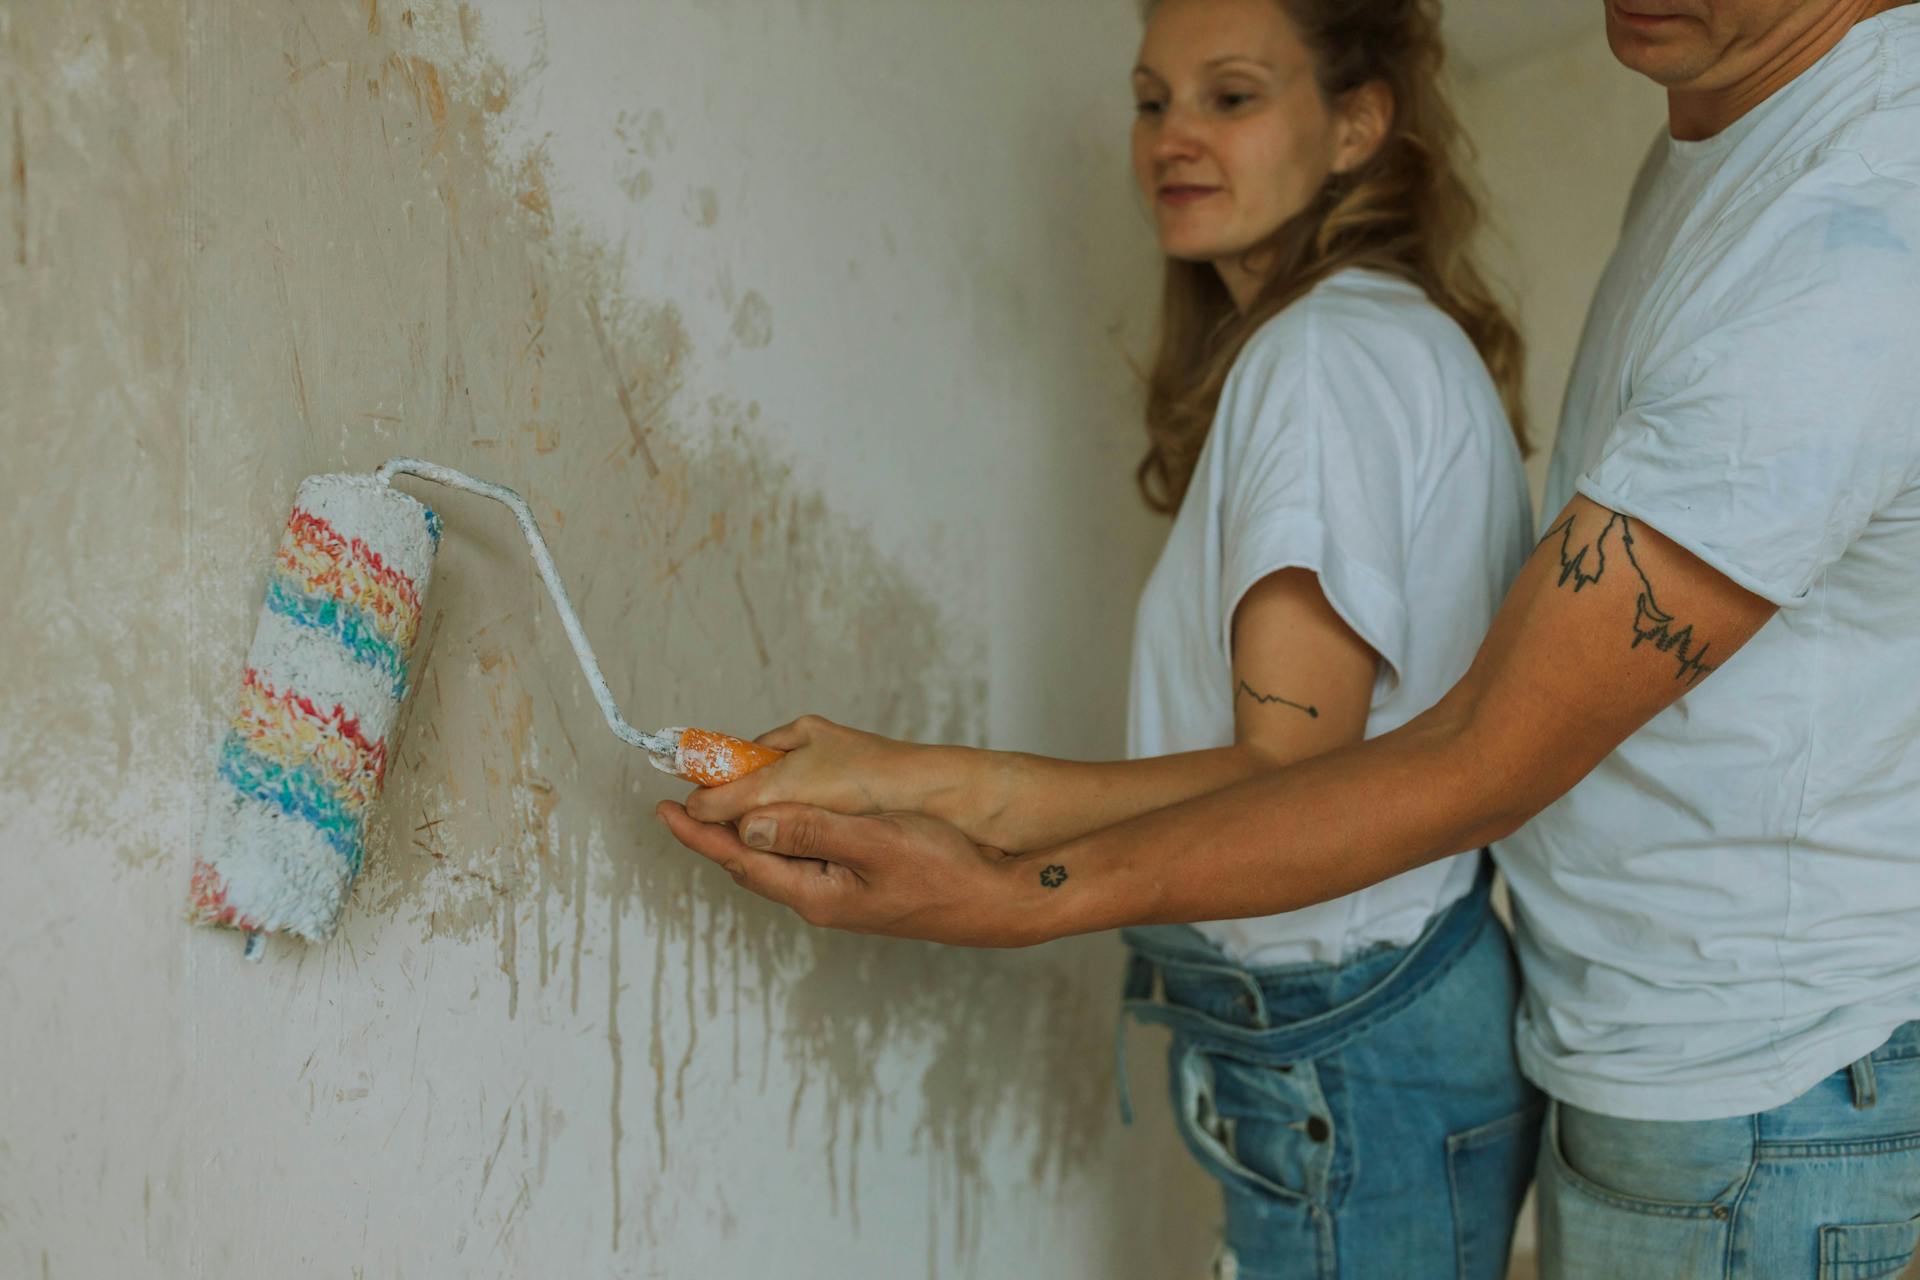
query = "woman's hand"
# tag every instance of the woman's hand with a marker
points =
(898, 874)
(833, 767)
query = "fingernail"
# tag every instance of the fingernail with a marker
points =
(759, 834)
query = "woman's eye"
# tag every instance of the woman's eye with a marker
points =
(1148, 108)
(1232, 101)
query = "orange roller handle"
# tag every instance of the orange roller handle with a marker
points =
(712, 759)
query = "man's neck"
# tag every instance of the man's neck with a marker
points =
(1696, 114)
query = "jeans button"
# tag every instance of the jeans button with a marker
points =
(1318, 1129)
(1720, 1212)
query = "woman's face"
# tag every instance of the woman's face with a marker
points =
(1232, 135)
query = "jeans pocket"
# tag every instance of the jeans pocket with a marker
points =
(1593, 1232)
(1874, 1251)
(1488, 1169)
(1257, 1128)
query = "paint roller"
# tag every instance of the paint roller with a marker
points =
(305, 756)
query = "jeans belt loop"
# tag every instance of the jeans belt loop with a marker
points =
(1866, 1089)
(1256, 999)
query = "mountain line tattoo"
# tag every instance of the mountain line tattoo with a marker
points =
(1651, 624)
(1270, 698)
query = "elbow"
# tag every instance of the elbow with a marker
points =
(1499, 778)
(1501, 825)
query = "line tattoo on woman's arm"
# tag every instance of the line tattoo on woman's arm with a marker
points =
(1586, 561)
(1268, 699)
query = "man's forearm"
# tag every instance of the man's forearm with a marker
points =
(1307, 833)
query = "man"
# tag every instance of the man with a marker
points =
(1691, 729)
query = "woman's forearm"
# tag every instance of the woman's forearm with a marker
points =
(1018, 802)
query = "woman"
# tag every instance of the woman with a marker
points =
(1325, 417)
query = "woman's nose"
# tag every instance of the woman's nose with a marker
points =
(1176, 139)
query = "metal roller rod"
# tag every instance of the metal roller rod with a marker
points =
(662, 748)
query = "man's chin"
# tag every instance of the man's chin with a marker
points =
(1665, 61)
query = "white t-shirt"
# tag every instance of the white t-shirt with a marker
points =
(1728, 908)
(1358, 436)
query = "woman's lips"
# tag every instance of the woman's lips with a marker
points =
(1185, 195)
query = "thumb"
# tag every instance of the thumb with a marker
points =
(803, 831)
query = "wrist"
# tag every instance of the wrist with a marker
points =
(1072, 888)
(967, 787)
(1034, 901)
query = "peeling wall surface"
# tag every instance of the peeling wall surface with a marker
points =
(803, 325)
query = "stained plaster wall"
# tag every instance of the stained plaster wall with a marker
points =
(801, 323)
(1560, 135)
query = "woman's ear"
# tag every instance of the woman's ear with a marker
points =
(1365, 117)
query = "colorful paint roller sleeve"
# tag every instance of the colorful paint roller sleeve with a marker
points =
(303, 758)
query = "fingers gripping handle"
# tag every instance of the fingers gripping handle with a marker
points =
(713, 759)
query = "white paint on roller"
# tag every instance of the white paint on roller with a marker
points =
(319, 670)
(284, 865)
(279, 871)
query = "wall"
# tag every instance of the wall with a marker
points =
(1560, 135)
(816, 381)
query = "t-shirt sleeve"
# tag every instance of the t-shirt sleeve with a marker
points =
(1766, 444)
(1313, 478)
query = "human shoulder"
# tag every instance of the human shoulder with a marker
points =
(1843, 239)
(1887, 137)
(1355, 314)
(1846, 225)
(1875, 123)
(1894, 124)
(1367, 357)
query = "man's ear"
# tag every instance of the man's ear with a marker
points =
(1364, 119)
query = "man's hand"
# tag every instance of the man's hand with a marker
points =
(898, 874)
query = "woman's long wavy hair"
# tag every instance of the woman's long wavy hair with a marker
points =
(1409, 210)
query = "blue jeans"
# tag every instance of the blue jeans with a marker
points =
(1363, 1120)
(1826, 1187)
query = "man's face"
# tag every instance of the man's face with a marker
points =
(1700, 46)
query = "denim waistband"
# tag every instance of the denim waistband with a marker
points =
(1218, 1003)
(1903, 1043)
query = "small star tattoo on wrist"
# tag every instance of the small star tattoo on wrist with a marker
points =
(1053, 877)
